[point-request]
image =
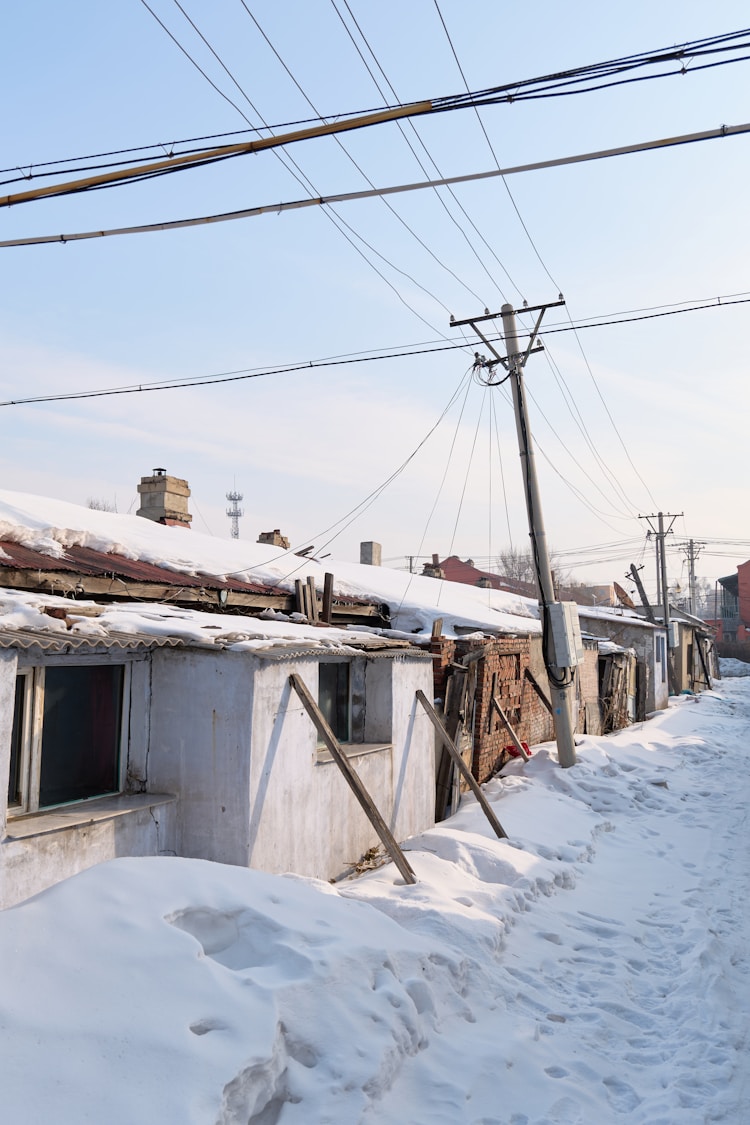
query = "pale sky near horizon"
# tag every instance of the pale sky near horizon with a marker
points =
(306, 447)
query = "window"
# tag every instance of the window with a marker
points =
(66, 735)
(334, 698)
(355, 697)
(19, 738)
(661, 656)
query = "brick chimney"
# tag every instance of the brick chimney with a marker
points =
(164, 499)
(433, 569)
(274, 538)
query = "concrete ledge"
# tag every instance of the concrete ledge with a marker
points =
(83, 812)
(352, 750)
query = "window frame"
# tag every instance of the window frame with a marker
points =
(365, 734)
(30, 747)
(324, 710)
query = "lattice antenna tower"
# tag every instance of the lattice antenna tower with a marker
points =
(235, 511)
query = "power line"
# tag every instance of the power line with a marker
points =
(311, 365)
(428, 154)
(615, 483)
(302, 179)
(513, 90)
(190, 58)
(519, 216)
(399, 218)
(345, 197)
(577, 417)
(550, 86)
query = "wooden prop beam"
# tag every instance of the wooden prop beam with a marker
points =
(312, 599)
(461, 765)
(327, 612)
(699, 646)
(352, 779)
(539, 690)
(495, 703)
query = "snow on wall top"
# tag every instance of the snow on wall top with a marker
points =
(50, 526)
(51, 617)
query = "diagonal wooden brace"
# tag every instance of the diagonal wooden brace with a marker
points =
(465, 772)
(495, 703)
(352, 779)
(529, 675)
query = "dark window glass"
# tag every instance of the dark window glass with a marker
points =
(16, 743)
(81, 733)
(333, 698)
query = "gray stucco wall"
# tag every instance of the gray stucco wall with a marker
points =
(201, 715)
(8, 664)
(303, 816)
(232, 739)
(224, 733)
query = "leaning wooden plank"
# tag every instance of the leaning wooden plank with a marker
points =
(313, 599)
(327, 612)
(461, 765)
(506, 721)
(699, 646)
(299, 592)
(539, 690)
(352, 778)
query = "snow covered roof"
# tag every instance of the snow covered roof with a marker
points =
(58, 624)
(621, 616)
(59, 530)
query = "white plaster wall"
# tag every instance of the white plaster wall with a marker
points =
(659, 694)
(303, 816)
(199, 748)
(8, 665)
(226, 735)
(30, 865)
(137, 734)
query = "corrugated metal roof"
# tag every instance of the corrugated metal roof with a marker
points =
(74, 642)
(86, 561)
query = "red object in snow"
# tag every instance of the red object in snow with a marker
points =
(513, 751)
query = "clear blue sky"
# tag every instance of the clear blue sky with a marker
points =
(305, 448)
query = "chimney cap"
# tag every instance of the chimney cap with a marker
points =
(159, 472)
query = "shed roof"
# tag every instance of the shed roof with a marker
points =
(59, 625)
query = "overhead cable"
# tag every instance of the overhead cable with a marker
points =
(345, 197)
(310, 365)
(548, 86)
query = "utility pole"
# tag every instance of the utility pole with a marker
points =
(560, 673)
(661, 556)
(692, 550)
(633, 573)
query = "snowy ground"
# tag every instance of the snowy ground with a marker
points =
(591, 969)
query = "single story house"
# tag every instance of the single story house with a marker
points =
(628, 630)
(694, 659)
(149, 729)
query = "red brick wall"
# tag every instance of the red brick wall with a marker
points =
(443, 651)
(501, 666)
(743, 589)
